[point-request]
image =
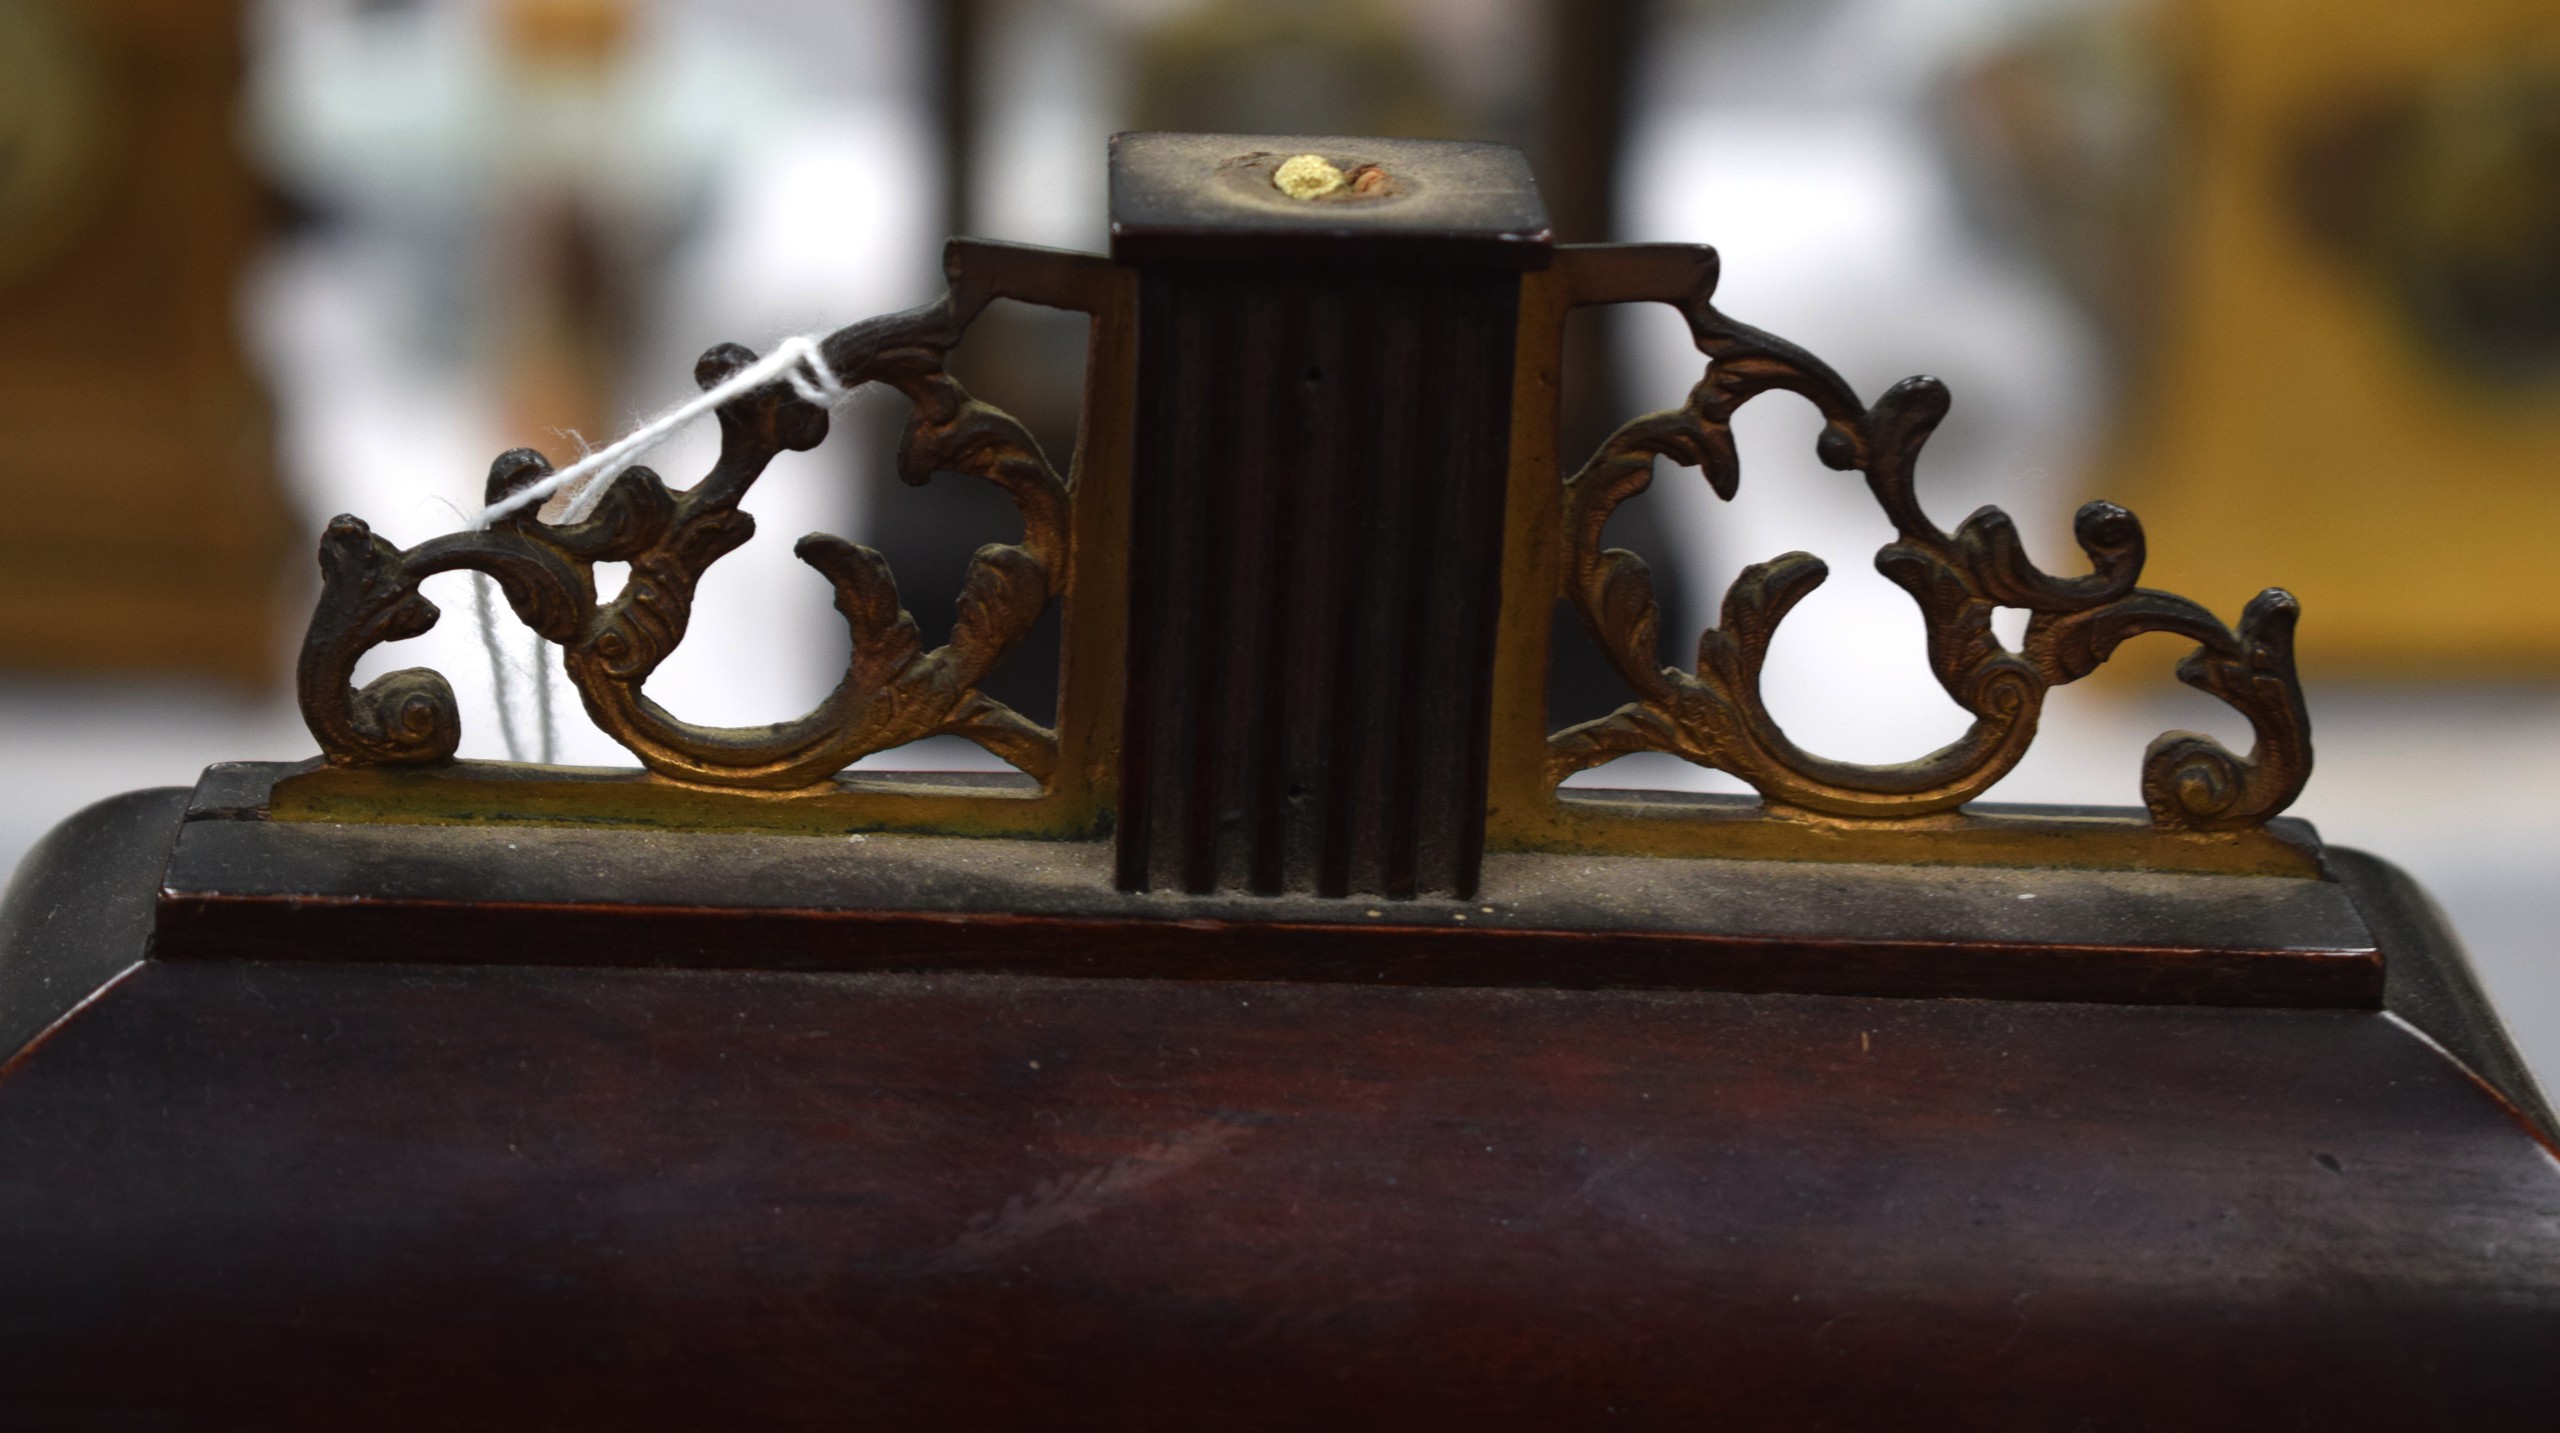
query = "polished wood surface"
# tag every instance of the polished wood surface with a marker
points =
(320, 1195)
(333, 1193)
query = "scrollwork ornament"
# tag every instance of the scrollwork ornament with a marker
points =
(1713, 715)
(894, 690)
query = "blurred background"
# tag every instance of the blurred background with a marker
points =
(2283, 276)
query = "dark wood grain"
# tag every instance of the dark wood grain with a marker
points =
(1316, 511)
(1314, 553)
(240, 1194)
(340, 1190)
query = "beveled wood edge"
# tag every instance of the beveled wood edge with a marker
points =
(2432, 987)
(79, 912)
(200, 915)
(196, 925)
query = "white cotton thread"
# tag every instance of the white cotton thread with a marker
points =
(537, 668)
(799, 360)
(486, 611)
(546, 726)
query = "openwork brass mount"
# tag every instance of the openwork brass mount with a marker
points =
(893, 692)
(1714, 715)
(1324, 661)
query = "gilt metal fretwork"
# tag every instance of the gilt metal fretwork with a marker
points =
(1714, 715)
(1288, 622)
(894, 690)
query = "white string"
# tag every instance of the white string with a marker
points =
(546, 726)
(537, 667)
(799, 360)
(484, 609)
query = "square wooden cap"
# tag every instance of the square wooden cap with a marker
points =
(1317, 199)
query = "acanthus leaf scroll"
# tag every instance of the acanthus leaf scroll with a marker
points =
(894, 691)
(1713, 714)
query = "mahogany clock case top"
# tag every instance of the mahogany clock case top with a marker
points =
(343, 1192)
